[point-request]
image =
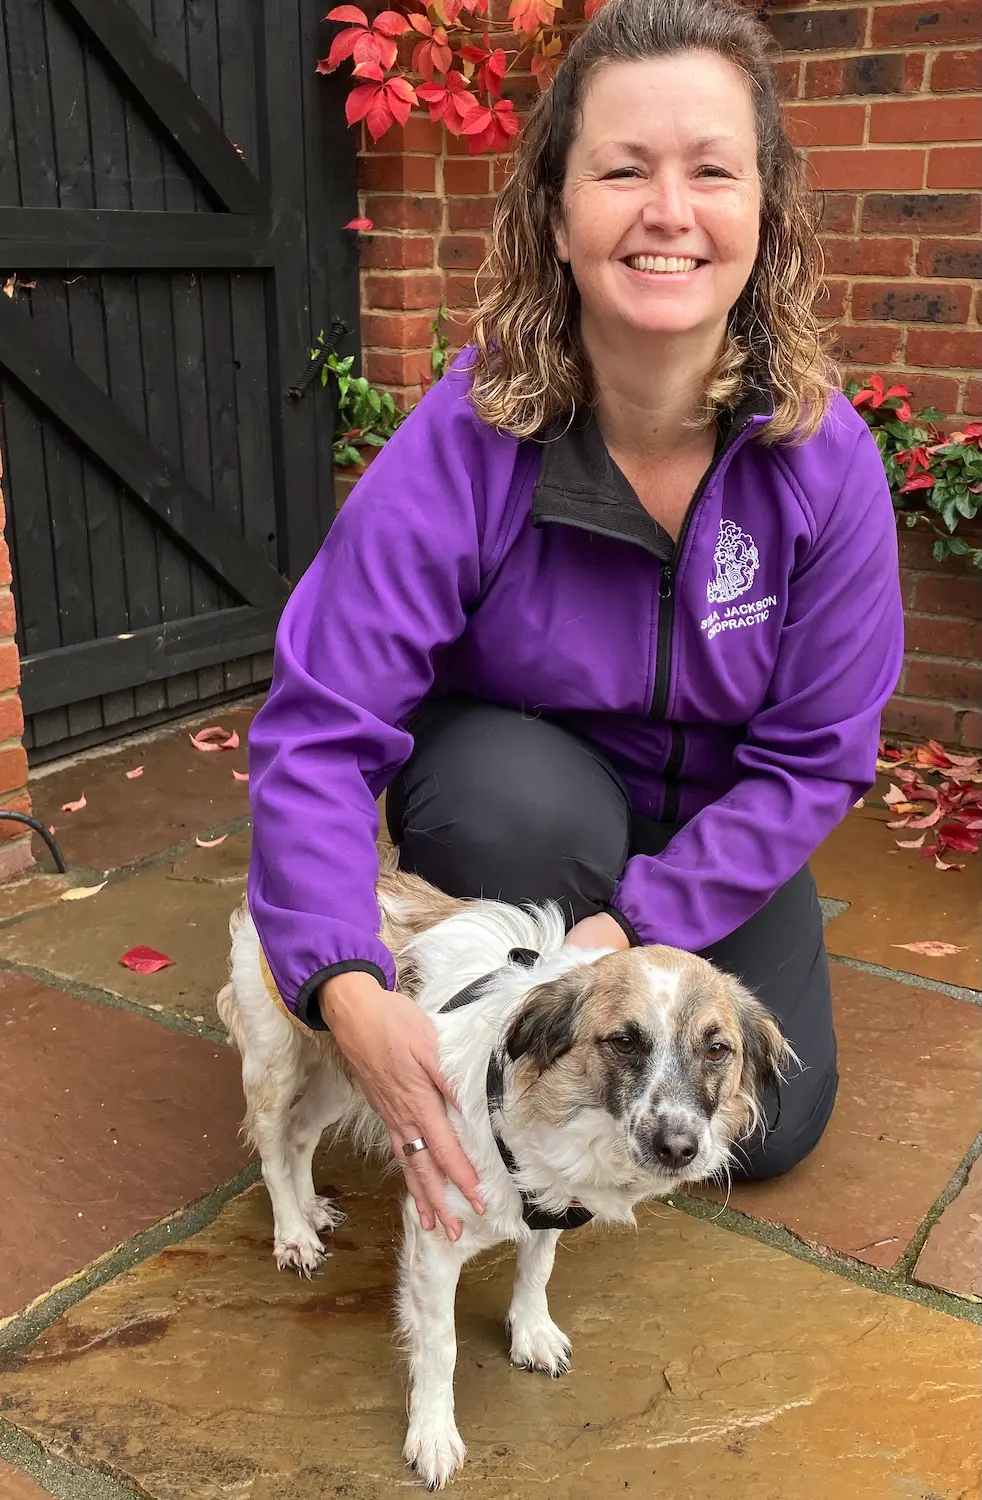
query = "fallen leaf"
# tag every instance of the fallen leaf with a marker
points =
(926, 822)
(83, 892)
(136, 771)
(931, 949)
(932, 754)
(359, 223)
(209, 843)
(214, 738)
(860, 803)
(956, 836)
(74, 806)
(894, 795)
(144, 960)
(241, 775)
(909, 844)
(939, 864)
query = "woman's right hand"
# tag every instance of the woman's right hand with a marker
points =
(392, 1047)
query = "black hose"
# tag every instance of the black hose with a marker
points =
(61, 864)
(338, 330)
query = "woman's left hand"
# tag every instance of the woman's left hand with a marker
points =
(598, 931)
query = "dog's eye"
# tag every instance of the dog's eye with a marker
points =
(718, 1052)
(624, 1043)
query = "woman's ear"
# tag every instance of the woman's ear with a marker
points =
(560, 238)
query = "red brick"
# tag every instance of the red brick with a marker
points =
(971, 731)
(956, 167)
(942, 595)
(920, 721)
(939, 391)
(396, 370)
(9, 666)
(924, 25)
(950, 258)
(787, 71)
(972, 401)
(826, 124)
(502, 172)
(460, 292)
(9, 830)
(961, 69)
(5, 574)
(867, 168)
(470, 213)
(838, 213)
(473, 176)
(13, 768)
(915, 67)
(831, 300)
(818, 30)
(929, 636)
(910, 302)
(951, 682)
(462, 252)
(410, 174)
(825, 79)
(945, 348)
(924, 120)
(868, 345)
(868, 256)
(8, 615)
(399, 211)
(922, 213)
(11, 717)
(396, 330)
(409, 291)
(398, 252)
(418, 134)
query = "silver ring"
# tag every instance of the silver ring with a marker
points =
(411, 1147)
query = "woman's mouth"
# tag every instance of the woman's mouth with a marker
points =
(662, 265)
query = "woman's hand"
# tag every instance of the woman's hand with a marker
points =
(392, 1046)
(598, 931)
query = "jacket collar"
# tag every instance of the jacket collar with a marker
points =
(579, 484)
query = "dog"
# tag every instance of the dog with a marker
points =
(587, 1081)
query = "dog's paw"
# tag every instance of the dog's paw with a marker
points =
(434, 1451)
(540, 1345)
(323, 1213)
(301, 1251)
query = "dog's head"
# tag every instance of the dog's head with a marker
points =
(662, 1056)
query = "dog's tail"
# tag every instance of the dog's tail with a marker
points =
(225, 1001)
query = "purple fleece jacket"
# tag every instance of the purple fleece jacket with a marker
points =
(734, 679)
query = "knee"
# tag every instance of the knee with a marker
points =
(799, 1129)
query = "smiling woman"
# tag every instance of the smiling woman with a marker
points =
(613, 615)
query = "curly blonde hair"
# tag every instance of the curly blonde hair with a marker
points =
(530, 367)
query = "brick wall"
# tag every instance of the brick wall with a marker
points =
(885, 97)
(15, 843)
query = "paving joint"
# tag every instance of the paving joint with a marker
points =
(959, 1177)
(58, 1475)
(916, 981)
(82, 991)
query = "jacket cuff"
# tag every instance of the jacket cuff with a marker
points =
(623, 924)
(308, 1011)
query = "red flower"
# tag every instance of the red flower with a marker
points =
(876, 395)
(492, 65)
(380, 104)
(369, 46)
(490, 129)
(451, 102)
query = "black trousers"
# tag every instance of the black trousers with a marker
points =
(495, 803)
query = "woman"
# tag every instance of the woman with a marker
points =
(614, 614)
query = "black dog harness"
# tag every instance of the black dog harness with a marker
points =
(533, 1214)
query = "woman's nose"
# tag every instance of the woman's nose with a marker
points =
(669, 205)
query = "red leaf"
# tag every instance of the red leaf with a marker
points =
(956, 836)
(342, 46)
(360, 223)
(74, 806)
(145, 960)
(390, 23)
(241, 775)
(921, 482)
(136, 771)
(214, 738)
(420, 23)
(347, 13)
(931, 949)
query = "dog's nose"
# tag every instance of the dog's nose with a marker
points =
(673, 1146)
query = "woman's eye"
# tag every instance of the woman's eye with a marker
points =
(713, 172)
(620, 173)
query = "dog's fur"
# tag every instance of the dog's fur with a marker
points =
(626, 1074)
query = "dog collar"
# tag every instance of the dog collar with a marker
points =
(533, 1214)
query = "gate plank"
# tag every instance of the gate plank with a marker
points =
(160, 90)
(75, 239)
(98, 423)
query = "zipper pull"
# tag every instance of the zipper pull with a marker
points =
(665, 582)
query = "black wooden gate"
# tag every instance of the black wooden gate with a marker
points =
(174, 179)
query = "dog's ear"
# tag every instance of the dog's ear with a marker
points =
(765, 1051)
(545, 1028)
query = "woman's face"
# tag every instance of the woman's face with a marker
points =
(661, 202)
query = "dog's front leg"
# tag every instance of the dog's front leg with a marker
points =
(430, 1271)
(536, 1342)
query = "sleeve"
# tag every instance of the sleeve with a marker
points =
(353, 659)
(810, 752)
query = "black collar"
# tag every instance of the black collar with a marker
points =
(536, 1217)
(580, 485)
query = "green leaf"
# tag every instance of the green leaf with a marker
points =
(966, 505)
(941, 549)
(958, 545)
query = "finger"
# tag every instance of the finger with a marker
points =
(433, 1183)
(424, 1208)
(448, 1156)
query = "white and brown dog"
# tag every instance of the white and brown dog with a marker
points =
(587, 1081)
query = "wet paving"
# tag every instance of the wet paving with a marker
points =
(814, 1337)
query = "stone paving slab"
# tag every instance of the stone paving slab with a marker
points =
(110, 1123)
(15, 1485)
(35, 891)
(906, 1114)
(896, 897)
(952, 1254)
(180, 909)
(705, 1364)
(181, 792)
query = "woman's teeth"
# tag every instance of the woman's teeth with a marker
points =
(658, 264)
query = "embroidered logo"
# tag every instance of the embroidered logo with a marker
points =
(737, 560)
